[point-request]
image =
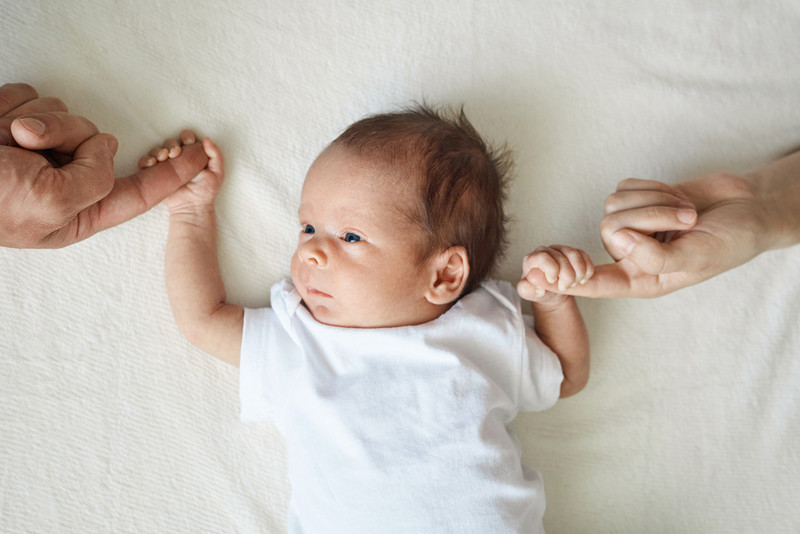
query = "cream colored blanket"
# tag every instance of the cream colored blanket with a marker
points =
(111, 422)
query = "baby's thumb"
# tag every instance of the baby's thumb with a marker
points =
(528, 291)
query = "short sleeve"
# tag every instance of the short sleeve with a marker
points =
(267, 360)
(541, 373)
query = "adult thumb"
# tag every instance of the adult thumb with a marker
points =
(688, 252)
(90, 175)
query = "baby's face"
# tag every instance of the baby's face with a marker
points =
(356, 260)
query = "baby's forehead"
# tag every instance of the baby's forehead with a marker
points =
(341, 167)
(347, 180)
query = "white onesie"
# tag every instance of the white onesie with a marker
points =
(402, 429)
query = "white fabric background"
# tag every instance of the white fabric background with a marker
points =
(111, 422)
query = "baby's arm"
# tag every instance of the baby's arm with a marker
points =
(557, 319)
(194, 283)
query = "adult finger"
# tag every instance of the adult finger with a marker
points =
(13, 95)
(626, 200)
(645, 220)
(650, 219)
(55, 130)
(633, 184)
(137, 193)
(689, 252)
(89, 176)
(38, 105)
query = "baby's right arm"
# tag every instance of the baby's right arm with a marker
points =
(194, 284)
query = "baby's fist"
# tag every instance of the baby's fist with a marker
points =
(550, 272)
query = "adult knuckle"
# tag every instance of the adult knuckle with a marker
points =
(612, 203)
(53, 103)
(652, 212)
(607, 226)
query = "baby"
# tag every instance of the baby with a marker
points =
(390, 362)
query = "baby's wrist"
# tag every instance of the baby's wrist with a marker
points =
(551, 302)
(192, 213)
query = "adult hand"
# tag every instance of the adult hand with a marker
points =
(57, 185)
(665, 238)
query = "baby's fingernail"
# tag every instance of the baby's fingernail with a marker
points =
(623, 242)
(538, 292)
(550, 278)
(687, 216)
(33, 125)
(187, 137)
(146, 162)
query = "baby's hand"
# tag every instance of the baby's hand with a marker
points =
(203, 188)
(548, 272)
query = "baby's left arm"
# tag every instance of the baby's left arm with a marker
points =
(557, 319)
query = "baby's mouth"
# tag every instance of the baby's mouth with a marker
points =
(316, 292)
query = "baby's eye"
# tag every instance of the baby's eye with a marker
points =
(350, 237)
(308, 229)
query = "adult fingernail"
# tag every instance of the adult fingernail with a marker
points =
(35, 126)
(623, 242)
(687, 216)
(113, 145)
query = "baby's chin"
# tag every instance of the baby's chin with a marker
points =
(323, 314)
(327, 316)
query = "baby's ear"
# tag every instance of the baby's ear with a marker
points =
(451, 271)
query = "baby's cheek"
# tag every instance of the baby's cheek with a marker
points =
(295, 269)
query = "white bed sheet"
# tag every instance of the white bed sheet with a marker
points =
(111, 422)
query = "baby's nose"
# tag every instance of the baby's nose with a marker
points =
(313, 252)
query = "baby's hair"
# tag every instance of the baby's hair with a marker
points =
(462, 179)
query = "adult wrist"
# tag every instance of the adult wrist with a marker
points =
(776, 189)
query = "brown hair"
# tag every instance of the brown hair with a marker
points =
(462, 180)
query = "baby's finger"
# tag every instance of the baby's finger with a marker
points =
(529, 291)
(589, 267)
(187, 137)
(542, 259)
(580, 263)
(215, 160)
(160, 153)
(174, 147)
(146, 162)
(567, 279)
